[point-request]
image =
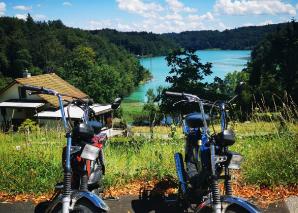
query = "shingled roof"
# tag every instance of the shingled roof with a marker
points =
(52, 81)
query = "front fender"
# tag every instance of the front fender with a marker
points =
(227, 201)
(93, 198)
(241, 202)
(76, 196)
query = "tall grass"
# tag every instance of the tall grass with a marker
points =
(131, 110)
(269, 160)
(32, 164)
(139, 158)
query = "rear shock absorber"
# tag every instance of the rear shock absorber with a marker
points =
(228, 186)
(84, 180)
(228, 182)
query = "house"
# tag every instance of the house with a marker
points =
(16, 104)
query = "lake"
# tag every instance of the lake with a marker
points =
(223, 62)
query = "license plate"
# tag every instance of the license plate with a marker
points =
(90, 152)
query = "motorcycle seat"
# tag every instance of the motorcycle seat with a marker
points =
(195, 120)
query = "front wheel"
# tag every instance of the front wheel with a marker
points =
(236, 209)
(82, 206)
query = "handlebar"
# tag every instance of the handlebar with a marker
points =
(40, 90)
(178, 94)
(193, 98)
(189, 97)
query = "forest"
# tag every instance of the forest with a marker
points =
(89, 62)
(146, 44)
(103, 63)
(271, 75)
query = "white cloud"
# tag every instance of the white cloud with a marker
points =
(100, 24)
(21, 16)
(67, 4)
(206, 16)
(256, 7)
(297, 6)
(178, 6)
(174, 16)
(36, 17)
(140, 7)
(164, 24)
(221, 26)
(171, 16)
(22, 7)
(266, 22)
(2, 8)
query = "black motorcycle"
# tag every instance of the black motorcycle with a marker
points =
(207, 160)
(82, 161)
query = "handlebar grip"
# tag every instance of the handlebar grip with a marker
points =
(177, 94)
(32, 88)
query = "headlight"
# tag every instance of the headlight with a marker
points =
(235, 160)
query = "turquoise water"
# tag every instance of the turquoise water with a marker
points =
(223, 62)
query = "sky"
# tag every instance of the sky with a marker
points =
(158, 16)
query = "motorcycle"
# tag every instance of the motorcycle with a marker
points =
(207, 160)
(81, 157)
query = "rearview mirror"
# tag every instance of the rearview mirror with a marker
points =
(116, 103)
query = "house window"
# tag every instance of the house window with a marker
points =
(22, 93)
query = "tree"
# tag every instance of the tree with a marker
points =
(187, 70)
(151, 108)
(273, 68)
(187, 74)
(80, 66)
(23, 61)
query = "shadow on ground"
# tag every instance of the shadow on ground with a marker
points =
(151, 199)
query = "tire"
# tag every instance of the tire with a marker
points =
(236, 209)
(82, 206)
(41, 207)
(205, 210)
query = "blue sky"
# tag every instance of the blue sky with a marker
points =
(157, 16)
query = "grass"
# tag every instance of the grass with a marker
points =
(32, 164)
(131, 159)
(131, 110)
(269, 160)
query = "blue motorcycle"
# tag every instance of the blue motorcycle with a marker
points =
(207, 160)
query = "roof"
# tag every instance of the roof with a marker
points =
(74, 112)
(52, 81)
(20, 104)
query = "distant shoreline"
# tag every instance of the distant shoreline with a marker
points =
(209, 49)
